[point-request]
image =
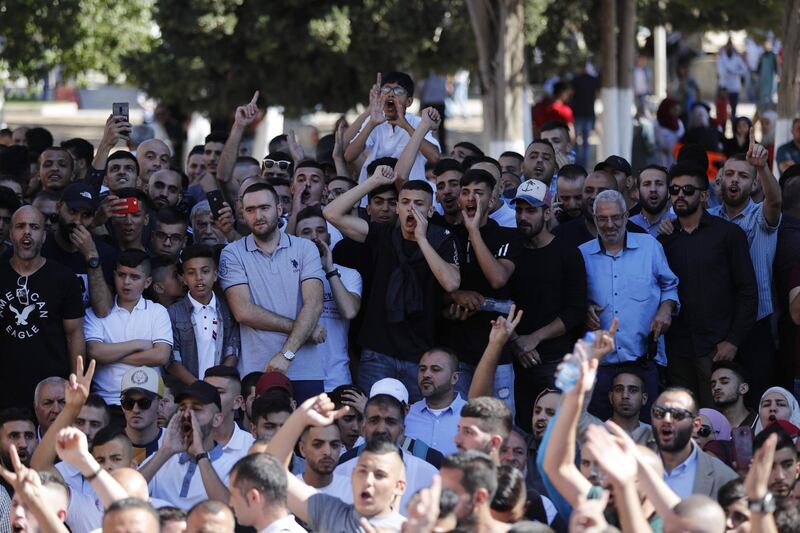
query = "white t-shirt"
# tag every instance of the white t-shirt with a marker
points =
(329, 360)
(148, 320)
(337, 486)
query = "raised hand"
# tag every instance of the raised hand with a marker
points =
(324, 254)
(473, 224)
(430, 119)
(503, 327)
(117, 128)
(338, 140)
(423, 509)
(25, 481)
(613, 461)
(77, 390)
(383, 175)
(295, 150)
(604, 341)
(757, 480)
(376, 101)
(587, 516)
(421, 229)
(756, 154)
(355, 400)
(72, 447)
(321, 411)
(174, 440)
(196, 446)
(248, 113)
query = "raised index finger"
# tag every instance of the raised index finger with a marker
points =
(613, 330)
(255, 98)
(752, 137)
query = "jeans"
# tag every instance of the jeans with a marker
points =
(583, 128)
(303, 389)
(503, 383)
(375, 366)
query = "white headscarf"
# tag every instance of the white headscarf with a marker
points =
(794, 416)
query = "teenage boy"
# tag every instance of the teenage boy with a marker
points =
(413, 264)
(204, 331)
(387, 128)
(136, 332)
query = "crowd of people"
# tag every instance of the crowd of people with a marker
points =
(369, 338)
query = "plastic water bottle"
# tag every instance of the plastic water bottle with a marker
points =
(494, 305)
(569, 371)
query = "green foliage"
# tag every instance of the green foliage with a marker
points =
(301, 54)
(77, 35)
(756, 16)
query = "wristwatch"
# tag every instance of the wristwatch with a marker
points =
(288, 354)
(332, 273)
(94, 262)
(764, 505)
(201, 455)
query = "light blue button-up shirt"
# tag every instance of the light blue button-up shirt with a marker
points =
(763, 240)
(437, 431)
(630, 285)
(681, 479)
(651, 228)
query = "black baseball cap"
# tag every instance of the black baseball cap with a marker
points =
(791, 172)
(202, 391)
(615, 162)
(81, 195)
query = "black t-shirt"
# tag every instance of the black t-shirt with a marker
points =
(468, 337)
(76, 262)
(410, 338)
(32, 341)
(575, 232)
(550, 283)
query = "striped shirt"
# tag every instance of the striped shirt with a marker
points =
(763, 240)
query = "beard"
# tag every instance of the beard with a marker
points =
(529, 231)
(690, 209)
(681, 438)
(654, 210)
(726, 402)
(65, 228)
(265, 232)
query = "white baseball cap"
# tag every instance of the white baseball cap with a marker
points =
(143, 378)
(533, 191)
(392, 387)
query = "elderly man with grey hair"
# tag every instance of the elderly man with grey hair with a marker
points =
(203, 228)
(628, 278)
(48, 401)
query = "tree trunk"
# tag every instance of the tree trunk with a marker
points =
(499, 37)
(789, 88)
(627, 47)
(609, 93)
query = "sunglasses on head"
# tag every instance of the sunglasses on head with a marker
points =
(143, 403)
(688, 190)
(705, 431)
(677, 414)
(282, 164)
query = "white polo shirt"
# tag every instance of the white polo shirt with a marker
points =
(206, 329)
(179, 482)
(148, 320)
(240, 442)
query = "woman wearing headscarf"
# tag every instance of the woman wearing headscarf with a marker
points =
(699, 130)
(714, 435)
(776, 404)
(740, 142)
(668, 130)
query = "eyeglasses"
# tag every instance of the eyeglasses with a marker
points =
(161, 236)
(143, 403)
(398, 91)
(677, 414)
(616, 219)
(705, 431)
(688, 190)
(282, 164)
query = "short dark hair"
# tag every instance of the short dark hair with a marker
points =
(628, 370)
(375, 163)
(169, 514)
(478, 471)
(740, 371)
(382, 446)
(171, 215)
(572, 171)
(38, 140)
(387, 187)
(541, 141)
(560, 87)
(477, 175)
(349, 181)
(261, 186)
(691, 169)
(194, 251)
(275, 141)
(63, 151)
(9, 200)
(451, 355)
(515, 155)
(131, 503)
(308, 163)
(123, 154)
(510, 488)
(387, 400)
(650, 167)
(197, 149)
(224, 371)
(400, 78)
(484, 159)
(471, 147)
(731, 492)
(96, 401)
(107, 434)
(784, 440)
(264, 473)
(311, 211)
(134, 259)
(494, 415)
(446, 164)
(279, 182)
(281, 156)
(246, 160)
(270, 402)
(417, 185)
(554, 125)
(83, 149)
(16, 414)
(217, 136)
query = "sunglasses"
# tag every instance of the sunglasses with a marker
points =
(143, 403)
(677, 414)
(688, 190)
(398, 91)
(282, 164)
(705, 431)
